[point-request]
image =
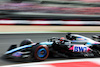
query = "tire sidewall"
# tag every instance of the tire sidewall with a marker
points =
(35, 50)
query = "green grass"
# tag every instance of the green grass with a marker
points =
(49, 31)
(76, 31)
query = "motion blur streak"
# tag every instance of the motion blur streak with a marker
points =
(89, 62)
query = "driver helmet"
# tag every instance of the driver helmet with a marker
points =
(62, 38)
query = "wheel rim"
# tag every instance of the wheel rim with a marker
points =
(41, 53)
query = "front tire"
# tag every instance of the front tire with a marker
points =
(40, 52)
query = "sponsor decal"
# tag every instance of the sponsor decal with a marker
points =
(80, 48)
(17, 54)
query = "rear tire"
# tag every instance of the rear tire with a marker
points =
(40, 52)
(96, 52)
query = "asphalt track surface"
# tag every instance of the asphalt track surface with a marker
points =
(8, 39)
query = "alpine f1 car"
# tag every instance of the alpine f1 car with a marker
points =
(70, 47)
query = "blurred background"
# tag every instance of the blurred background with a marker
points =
(50, 10)
(33, 9)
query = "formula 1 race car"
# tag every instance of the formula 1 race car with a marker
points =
(54, 46)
